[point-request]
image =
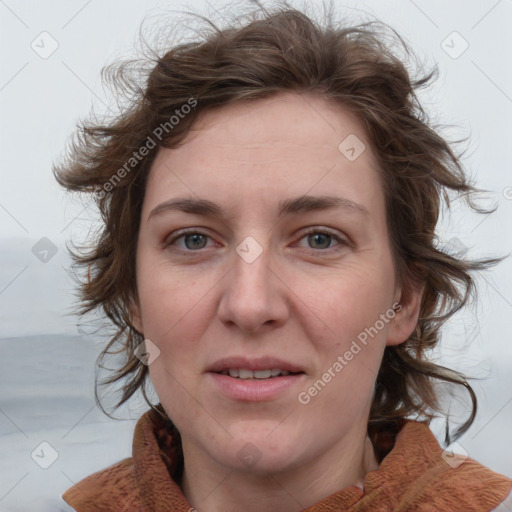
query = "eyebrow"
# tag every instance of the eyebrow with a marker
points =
(301, 204)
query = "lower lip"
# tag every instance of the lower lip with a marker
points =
(253, 390)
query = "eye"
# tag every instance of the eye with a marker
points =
(190, 241)
(321, 239)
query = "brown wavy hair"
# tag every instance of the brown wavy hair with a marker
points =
(284, 49)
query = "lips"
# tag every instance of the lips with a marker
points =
(256, 390)
(244, 379)
(244, 373)
(259, 368)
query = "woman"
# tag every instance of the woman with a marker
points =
(291, 376)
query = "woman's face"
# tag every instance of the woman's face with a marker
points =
(265, 281)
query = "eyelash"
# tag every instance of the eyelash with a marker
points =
(324, 231)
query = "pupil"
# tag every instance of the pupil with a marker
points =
(195, 237)
(319, 237)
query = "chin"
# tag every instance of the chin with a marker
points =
(259, 449)
(250, 459)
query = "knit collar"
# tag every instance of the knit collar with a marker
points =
(412, 472)
(158, 461)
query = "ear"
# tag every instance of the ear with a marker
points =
(407, 310)
(135, 316)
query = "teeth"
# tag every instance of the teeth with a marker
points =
(262, 374)
(243, 373)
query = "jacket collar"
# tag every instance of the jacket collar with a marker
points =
(413, 472)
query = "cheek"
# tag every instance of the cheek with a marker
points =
(352, 340)
(168, 296)
(176, 391)
(172, 309)
(348, 300)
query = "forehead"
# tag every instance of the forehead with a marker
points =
(275, 122)
(289, 141)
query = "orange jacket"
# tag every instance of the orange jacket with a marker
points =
(413, 476)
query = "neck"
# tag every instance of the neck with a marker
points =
(212, 487)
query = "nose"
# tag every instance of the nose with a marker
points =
(254, 296)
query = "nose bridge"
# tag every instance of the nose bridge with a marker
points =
(251, 271)
(252, 266)
(252, 296)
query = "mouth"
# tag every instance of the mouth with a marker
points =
(254, 380)
(247, 374)
(243, 367)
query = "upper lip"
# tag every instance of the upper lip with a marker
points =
(255, 364)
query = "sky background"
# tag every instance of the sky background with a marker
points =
(51, 57)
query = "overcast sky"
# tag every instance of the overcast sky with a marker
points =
(52, 54)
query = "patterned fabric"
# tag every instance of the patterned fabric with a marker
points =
(412, 477)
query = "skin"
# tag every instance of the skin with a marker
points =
(304, 299)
